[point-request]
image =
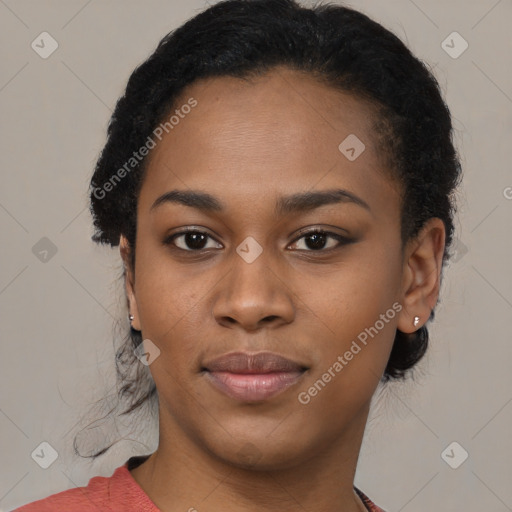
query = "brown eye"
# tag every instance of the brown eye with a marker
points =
(321, 241)
(191, 240)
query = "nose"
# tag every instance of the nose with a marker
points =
(253, 296)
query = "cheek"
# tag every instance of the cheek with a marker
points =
(353, 297)
(170, 308)
(167, 312)
(355, 321)
(349, 367)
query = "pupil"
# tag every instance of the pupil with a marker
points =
(318, 241)
(192, 240)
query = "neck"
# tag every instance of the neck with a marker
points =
(180, 475)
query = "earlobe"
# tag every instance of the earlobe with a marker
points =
(421, 276)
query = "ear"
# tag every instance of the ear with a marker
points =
(423, 258)
(125, 251)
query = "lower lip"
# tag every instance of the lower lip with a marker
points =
(253, 387)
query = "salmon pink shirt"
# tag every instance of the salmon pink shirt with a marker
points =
(117, 493)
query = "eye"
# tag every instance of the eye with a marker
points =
(318, 240)
(192, 240)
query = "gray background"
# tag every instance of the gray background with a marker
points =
(57, 315)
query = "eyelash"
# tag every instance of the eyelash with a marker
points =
(341, 239)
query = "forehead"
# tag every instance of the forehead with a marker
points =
(280, 132)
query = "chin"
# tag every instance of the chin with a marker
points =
(260, 455)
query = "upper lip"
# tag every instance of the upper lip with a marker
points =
(261, 362)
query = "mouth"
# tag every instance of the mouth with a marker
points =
(253, 377)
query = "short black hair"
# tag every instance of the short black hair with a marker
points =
(340, 47)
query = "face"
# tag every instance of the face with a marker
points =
(275, 264)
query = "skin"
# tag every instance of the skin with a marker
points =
(248, 143)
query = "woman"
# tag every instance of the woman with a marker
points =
(279, 181)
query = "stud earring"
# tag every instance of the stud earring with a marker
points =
(416, 321)
(131, 317)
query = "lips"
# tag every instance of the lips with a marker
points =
(253, 377)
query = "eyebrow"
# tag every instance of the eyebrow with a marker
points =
(301, 201)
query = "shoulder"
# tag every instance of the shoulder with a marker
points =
(101, 493)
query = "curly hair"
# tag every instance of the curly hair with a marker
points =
(339, 46)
